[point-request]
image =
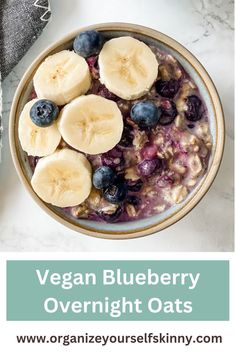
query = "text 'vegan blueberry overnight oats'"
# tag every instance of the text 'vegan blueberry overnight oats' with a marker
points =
(115, 130)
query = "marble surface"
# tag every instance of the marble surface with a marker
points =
(206, 29)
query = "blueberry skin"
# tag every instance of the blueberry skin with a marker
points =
(88, 43)
(116, 193)
(43, 113)
(193, 108)
(148, 167)
(103, 177)
(167, 88)
(145, 114)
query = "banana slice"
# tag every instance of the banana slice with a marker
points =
(34, 140)
(91, 124)
(63, 179)
(128, 67)
(62, 77)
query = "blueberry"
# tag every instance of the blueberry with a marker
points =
(148, 167)
(134, 186)
(110, 216)
(145, 114)
(43, 113)
(165, 119)
(103, 177)
(193, 108)
(168, 112)
(88, 43)
(116, 193)
(167, 88)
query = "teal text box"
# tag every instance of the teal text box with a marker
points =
(209, 299)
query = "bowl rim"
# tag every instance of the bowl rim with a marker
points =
(220, 131)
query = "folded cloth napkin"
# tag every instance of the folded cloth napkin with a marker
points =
(21, 23)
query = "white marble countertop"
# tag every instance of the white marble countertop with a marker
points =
(206, 29)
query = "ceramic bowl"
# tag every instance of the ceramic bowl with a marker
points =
(157, 222)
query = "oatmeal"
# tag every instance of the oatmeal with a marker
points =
(163, 150)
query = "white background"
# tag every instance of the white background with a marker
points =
(204, 27)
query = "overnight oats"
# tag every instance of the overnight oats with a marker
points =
(115, 130)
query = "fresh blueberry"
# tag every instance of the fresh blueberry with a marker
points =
(168, 112)
(193, 108)
(134, 186)
(145, 114)
(112, 216)
(127, 137)
(167, 88)
(88, 43)
(148, 167)
(103, 177)
(43, 113)
(116, 193)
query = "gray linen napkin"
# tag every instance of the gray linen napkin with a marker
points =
(21, 23)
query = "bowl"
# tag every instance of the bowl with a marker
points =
(155, 223)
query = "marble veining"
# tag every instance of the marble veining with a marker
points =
(206, 28)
